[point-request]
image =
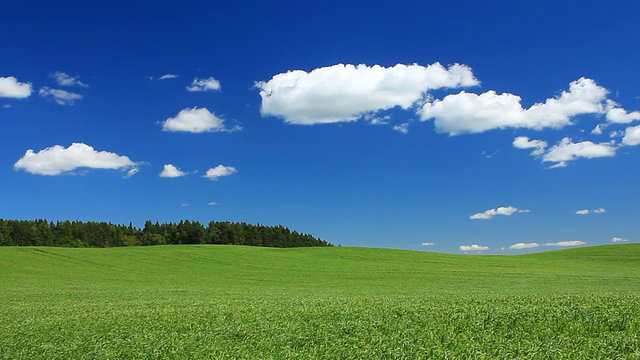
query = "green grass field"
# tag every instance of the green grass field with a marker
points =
(232, 302)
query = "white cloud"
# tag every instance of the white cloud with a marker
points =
(66, 80)
(10, 87)
(582, 212)
(377, 120)
(402, 128)
(471, 113)
(619, 115)
(619, 239)
(219, 171)
(131, 172)
(631, 136)
(598, 129)
(503, 210)
(600, 211)
(167, 76)
(196, 120)
(427, 244)
(523, 246)
(342, 93)
(212, 203)
(566, 150)
(473, 247)
(566, 243)
(209, 84)
(56, 160)
(171, 171)
(61, 97)
(523, 142)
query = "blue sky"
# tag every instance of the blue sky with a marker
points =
(480, 127)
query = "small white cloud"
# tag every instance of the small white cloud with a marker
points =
(619, 115)
(343, 93)
(56, 160)
(523, 142)
(10, 87)
(196, 120)
(600, 211)
(219, 171)
(523, 246)
(619, 239)
(474, 247)
(212, 203)
(209, 84)
(131, 172)
(184, 205)
(566, 150)
(402, 128)
(631, 136)
(66, 80)
(377, 120)
(61, 97)
(167, 76)
(598, 129)
(566, 243)
(524, 211)
(471, 113)
(582, 212)
(427, 244)
(6, 106)
(503, 210)
(171, 171)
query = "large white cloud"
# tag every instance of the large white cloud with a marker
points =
(472, 113)
(341, 92)
(209, 84)
(474, 247)
(503, 210)
(61, 97)
(196, 120)
(57, 159)
(170, 171)
(631, 136)
(566, 150)
(519, 246)
(219, 171)
(66, 80)
(10, 87)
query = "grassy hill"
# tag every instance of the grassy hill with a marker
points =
(252, 302)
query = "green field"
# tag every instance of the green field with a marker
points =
(234, 302)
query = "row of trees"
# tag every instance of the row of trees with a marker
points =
(101, 234)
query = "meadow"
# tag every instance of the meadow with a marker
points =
(237, 302)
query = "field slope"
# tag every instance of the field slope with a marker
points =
(217, 302)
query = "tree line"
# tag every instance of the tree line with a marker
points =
(101, 234)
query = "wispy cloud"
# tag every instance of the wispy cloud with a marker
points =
(61, 97)
(209, 84)
(503, 210)
(427, 244)
(587, 211)
(63, 79)
(519, 246)
(167, 76)
(619, 239)
(566, 243)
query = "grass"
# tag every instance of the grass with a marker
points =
(232, 302)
